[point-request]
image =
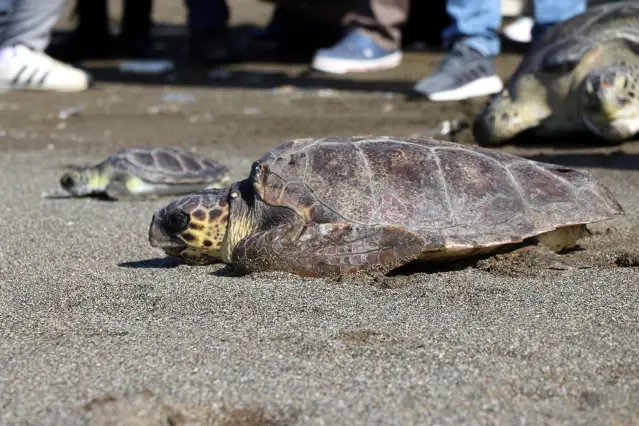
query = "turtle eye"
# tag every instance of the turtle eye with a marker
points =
(176, 222)
(67, 181)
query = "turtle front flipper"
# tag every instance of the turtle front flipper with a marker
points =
(117, 190)
(126, 186)
(327, 249)
(506, 116)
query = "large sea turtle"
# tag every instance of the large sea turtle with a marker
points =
(581, 77)
(340, 205)
(146, 173)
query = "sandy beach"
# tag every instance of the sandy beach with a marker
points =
(100, 328)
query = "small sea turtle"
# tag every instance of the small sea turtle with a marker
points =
(340, 205)
(146, 173)
(581, 77)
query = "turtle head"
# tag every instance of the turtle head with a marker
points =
(610, 102)
(193, 227)
(504, 118)
(82, 181)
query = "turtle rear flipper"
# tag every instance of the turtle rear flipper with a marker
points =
(528, 261)
(328, 249)
(545, 258)
(541, 252)
(549, 244)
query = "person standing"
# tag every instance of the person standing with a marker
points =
(373, 42)
(471, 41)
(92, 38)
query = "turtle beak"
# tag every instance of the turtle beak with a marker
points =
(160, 239)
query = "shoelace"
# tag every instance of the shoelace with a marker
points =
(455, 58)
(351, 43)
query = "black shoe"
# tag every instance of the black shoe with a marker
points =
(134, 45)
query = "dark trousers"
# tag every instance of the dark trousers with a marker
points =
(381, 19)
(206, 15)
(136, 16)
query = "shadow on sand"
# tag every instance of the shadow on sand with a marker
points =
(614, 160)
(60, 196)
(155, 263)
(577, 151)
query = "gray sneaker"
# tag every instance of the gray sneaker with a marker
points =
(464, 73)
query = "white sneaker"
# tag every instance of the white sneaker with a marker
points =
(520, 30)
(24, 69)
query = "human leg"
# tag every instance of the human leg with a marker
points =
(207, 23)
(24, 35)
(549, 12)
(467, 70)
(301, 26)
(381, 19)
(476, 22)
(372, 42)
(30, 23)
(135, 37)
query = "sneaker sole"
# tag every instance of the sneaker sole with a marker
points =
(5, 88)
(344, 66)
(480, 87)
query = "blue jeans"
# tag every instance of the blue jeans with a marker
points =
(28, 22)
(207, 14)
(477, 21)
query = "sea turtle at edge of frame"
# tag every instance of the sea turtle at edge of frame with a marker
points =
(581, 77)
